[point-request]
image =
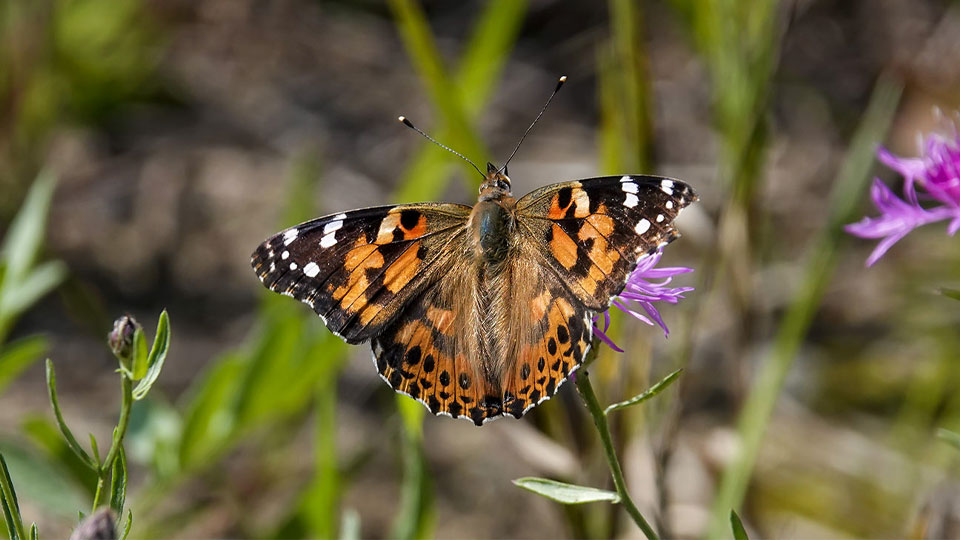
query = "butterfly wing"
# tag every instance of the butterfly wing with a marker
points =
(596, 230)
(581, 240)
(358, 269)
(434, 352)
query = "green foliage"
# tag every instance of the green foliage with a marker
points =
(22, 281)
(849, 185)
(739, 533)
(647, 394)
(950, 437)
(9, 504)
(149, 368)
(565, 493)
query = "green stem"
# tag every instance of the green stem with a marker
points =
(600, 420)
(96, 495)
(121, 430)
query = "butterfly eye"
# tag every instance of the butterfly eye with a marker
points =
(503, 185)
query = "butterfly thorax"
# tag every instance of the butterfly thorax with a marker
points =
(493, 220)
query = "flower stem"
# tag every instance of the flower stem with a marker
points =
(104, 469)
(600, 420)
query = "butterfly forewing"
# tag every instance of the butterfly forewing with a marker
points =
(358, 269)
(596, 230)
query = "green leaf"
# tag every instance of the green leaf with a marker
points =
(42, 432)
(26, 232)
(95, 450)
(35, 285)
(649, 393)
(118, 482)
(71, 440)
(565, 493)
(739, 533)
(952, 438)
(138, 369)
(49, 487)
(127, 524)
(950, 293)
(158, 354)
(34, 533)
(17, 356)
(8, 499)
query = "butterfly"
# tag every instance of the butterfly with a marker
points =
(484, 311)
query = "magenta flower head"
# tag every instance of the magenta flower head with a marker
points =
(934, 178)
(641, 292)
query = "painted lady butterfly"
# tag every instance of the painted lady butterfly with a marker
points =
(479, 311)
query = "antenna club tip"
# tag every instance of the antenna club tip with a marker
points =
(563, 78)
(560, 82)
(405, 122)
(402, 118)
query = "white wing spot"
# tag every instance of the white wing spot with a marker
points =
(626, 179)
(642, 226)
(311, 269)
(285, 255)
(293, 266)
(629, 187)
(290, 236)
(669, 205)
(340, 217)
(332, 226)
(660, 218)
(667, 190)
(631, 201)
(328, 240)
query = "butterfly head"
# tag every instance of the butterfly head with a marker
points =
(496, 184)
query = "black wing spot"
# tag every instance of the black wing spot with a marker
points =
(413, 355)
(409, 219)
(525, 372)
(564, 196)
(464, 381)
(562, 334)
(428, 364)
(444, 378)
(552, 346)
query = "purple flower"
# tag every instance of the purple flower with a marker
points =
(641, 292)
(936, 172)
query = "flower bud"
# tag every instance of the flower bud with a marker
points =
(121, 338)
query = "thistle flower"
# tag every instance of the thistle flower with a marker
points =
(642, 292)
(936, 172)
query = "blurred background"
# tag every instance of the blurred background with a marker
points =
(173, 136)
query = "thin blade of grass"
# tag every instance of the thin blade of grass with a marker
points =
(851, 182)
(18, 356)
(11, 507)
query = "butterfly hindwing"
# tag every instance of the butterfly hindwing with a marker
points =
(358, 269)
(434, 351)
(595, 231)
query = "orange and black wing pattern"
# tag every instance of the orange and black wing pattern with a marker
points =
(594, 231)
(358, 269)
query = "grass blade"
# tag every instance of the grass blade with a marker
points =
(11, 507)
(18, 356)
(852, 181)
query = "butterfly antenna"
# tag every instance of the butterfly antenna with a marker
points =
(556, 89)
(410, 125)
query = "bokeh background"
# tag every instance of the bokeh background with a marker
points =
(181, 133)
